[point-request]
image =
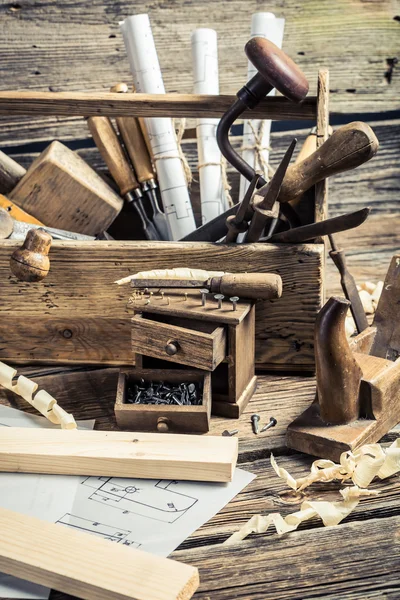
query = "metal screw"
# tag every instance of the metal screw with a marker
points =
(234, 300)
(168, 300)
(186, 297)
(67, 333)
(203, 297)
(272, 423)
(230, 433)
(219, 297)
(255, 419)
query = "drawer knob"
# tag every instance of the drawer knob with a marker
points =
(163, 425)
(171, 348)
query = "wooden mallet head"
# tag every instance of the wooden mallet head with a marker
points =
(31, 261)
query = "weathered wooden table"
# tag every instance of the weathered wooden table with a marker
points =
(72, 45)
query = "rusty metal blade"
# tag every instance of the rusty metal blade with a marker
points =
(327, 227)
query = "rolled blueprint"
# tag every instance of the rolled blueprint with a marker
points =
(205, 79)
(263, 24)
(145, 68)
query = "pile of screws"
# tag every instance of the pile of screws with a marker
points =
(160, 393)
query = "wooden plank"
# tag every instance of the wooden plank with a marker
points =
(145, 105)
(117, 454)
(78, 297)
(363, 556)
(88, 566)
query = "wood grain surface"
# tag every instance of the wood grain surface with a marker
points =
(71, 47)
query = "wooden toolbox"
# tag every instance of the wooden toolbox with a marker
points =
(77, 315)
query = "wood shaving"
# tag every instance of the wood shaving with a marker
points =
(42, 401)
(179, 273)
(361, 467)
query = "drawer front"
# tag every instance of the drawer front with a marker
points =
(135, 418)
(177, 344)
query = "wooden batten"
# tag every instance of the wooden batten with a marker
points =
(117, 454)
(88, 104)
(87, 566)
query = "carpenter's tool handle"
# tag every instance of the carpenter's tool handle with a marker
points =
(31, 261)
(10, 173)
(350, 289)
(16, 212)
(255, 286)
(134, 142)
(112, 153)
(347, 148)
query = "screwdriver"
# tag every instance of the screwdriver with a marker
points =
(108, 144)
(136, 148)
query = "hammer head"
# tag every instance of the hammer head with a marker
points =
(277, 68)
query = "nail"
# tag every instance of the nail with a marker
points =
(272, 423)
(203, 296)
(219, 298)
(234, 301)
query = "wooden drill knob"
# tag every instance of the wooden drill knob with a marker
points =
(277, 68)
(172, 348)
(31, 261)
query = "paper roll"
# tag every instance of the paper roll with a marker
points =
(263, 24)
(145, 68)
(205, 81)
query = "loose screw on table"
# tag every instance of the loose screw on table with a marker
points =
(234, 300)
(219, 298)
(272, 423)
(255, 419)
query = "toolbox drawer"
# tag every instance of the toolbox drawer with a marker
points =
(201, 344)
(161, 418)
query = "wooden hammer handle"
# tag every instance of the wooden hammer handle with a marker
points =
(112, 153)
(255, 286)
(10, 173)
(347, 148)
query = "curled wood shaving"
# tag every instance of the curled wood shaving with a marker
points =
(179, 273)
(361, 467)
(42, 401)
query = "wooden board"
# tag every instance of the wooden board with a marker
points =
(117, 454)
(88, 566)
(78, 297)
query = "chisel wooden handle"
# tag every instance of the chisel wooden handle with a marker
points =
(255, 286)
(347, 148)
(10, 173)
(113, 155)
(134, 142)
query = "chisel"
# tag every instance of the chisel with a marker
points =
(350, 146)
(114, 156)
(136, 148)
(338, 256)
(255, 286)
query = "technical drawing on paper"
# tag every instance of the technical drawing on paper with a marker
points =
(108, 532)
(158, 501)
